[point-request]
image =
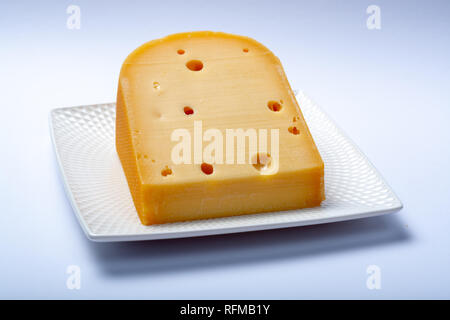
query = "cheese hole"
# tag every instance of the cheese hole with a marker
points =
(166, 171)
(207, 168)
(156, 85)
(261, 161)
(294, 130)
(245, 50)
(188, 110)
(194, 65)
(274, 105)
(180, 51)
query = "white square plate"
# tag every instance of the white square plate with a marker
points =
(95, 183)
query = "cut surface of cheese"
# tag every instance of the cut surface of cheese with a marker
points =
(211, 83)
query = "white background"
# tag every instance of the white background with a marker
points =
(388, 89)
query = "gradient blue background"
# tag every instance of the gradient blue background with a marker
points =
(389, 89)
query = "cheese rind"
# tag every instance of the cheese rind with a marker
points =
(228, 82)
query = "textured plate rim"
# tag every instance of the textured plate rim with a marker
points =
(216, 231)
(63, 177)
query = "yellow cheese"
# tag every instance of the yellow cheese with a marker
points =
(211, 82)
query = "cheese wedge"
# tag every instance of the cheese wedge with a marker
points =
(179, 97)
